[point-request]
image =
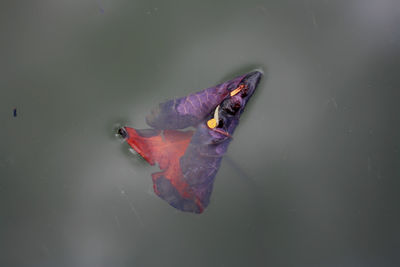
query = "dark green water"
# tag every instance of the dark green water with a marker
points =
(311, 177)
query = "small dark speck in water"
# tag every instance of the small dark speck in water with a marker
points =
(15, 112)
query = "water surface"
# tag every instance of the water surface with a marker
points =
(311, 178)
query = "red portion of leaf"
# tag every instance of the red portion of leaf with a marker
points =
(165, 148)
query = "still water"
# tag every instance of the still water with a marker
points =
(311, 177)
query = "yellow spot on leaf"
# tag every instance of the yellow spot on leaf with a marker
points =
(237, 90)
(212, 123)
